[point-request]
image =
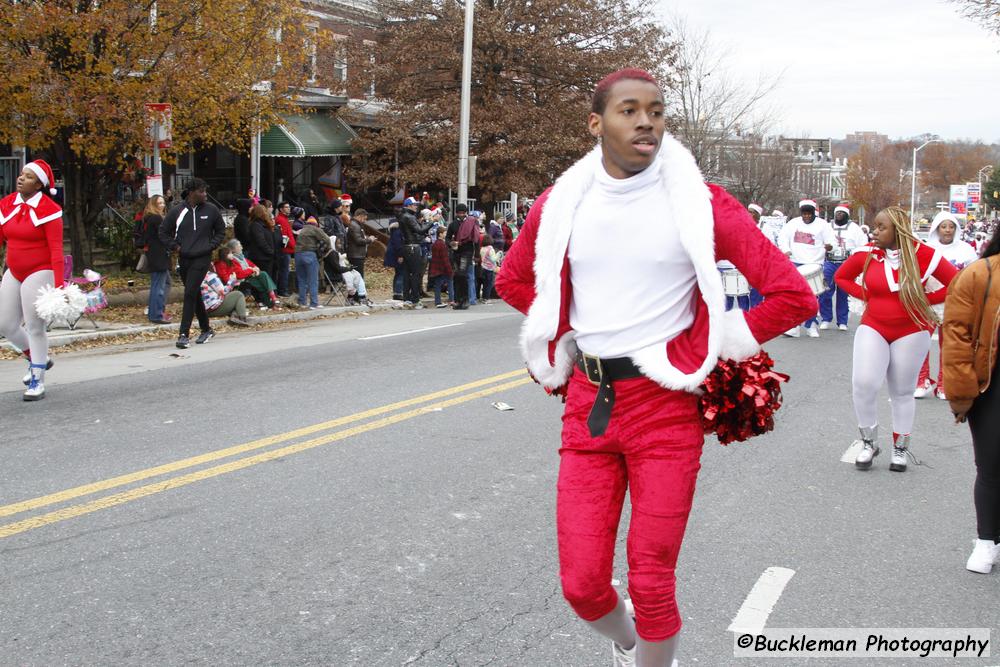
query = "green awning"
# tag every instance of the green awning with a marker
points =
(312, 135)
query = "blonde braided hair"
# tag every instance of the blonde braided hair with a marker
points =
(911, 288)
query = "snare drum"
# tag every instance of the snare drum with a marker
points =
(813, 273)
(734, 284)
(838, 254)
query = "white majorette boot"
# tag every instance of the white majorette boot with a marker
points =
(900, 449)
(36, 385)
(869, 448)
(984, 556)
(26, 380)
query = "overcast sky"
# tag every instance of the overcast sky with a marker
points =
(899, 67)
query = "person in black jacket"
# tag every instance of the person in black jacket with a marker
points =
(241, 225)
(357, 241)
(260, 249)
(195, 229)
(413, 232)
(157, 259)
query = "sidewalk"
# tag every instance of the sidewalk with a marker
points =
(61, 336)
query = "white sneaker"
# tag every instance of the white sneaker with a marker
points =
(621, 657)
(842, 327)
(923, 389)
(984, 556)
(825, 325)
(812, 331)
(792, 333)
(939, 392)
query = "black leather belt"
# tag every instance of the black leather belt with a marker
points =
(601, 373)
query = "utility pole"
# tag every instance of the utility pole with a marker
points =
(463, 132)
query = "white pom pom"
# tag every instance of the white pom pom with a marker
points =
(53, 192)
(51, 303)
(76, 301)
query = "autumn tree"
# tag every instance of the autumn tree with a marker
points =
(944, 164)
(534, 67)
(991, 189)
(875, 178)
(79, 73)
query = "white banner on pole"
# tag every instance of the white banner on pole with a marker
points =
(154, 185)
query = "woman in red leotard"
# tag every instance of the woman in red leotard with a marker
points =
(31, 227)
(895, 331)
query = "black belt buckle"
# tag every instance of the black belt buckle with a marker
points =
(596, 361)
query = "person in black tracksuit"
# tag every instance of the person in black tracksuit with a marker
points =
(194, 229)
(413, 232)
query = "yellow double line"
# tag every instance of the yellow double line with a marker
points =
(461, 394)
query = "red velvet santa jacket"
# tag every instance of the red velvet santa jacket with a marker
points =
(713, 226)
(33, 232)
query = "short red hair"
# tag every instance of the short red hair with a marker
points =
(603, 89)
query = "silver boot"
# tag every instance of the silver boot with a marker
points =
(869, 447)
(900, 449)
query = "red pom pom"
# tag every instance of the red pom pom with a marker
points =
(740, 398)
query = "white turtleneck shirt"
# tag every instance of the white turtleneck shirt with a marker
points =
(633, 283)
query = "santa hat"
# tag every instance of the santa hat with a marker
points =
(807, 203)
(43, 171)
(346, 200)
(777, 213)
(756, 207)
(843, 209)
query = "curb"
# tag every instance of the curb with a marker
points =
(294, 316)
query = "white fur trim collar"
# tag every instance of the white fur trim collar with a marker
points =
(688, 199)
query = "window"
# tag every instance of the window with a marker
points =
(309, 66)
(339, 69)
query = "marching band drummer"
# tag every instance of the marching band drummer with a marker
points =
(847, 237)
(738, 292)
(894, 334)
(806, 240)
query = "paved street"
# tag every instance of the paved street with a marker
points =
(339, 495)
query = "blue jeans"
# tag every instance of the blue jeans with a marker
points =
(826, 298)
(438, 281)
(307, 276)
(811, 322)
(488, 278)
(283, 265)
(399, 280)
(159, 283)
(471, 278)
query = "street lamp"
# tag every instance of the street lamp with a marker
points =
(913, 187)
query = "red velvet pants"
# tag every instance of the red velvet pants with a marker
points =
(652, 448)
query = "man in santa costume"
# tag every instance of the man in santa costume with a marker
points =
(846, 238)
(630, 362)
(31, 227)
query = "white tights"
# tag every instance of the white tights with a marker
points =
(18, 320)
(899, 363)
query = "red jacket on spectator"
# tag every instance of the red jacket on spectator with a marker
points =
(440, 264)
(286, 229)
(225, 269)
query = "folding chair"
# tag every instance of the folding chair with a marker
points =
(337, 289)
(92, 287)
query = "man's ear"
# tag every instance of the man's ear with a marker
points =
(594, 124)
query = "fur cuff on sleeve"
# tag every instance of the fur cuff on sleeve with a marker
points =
(738, 343)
